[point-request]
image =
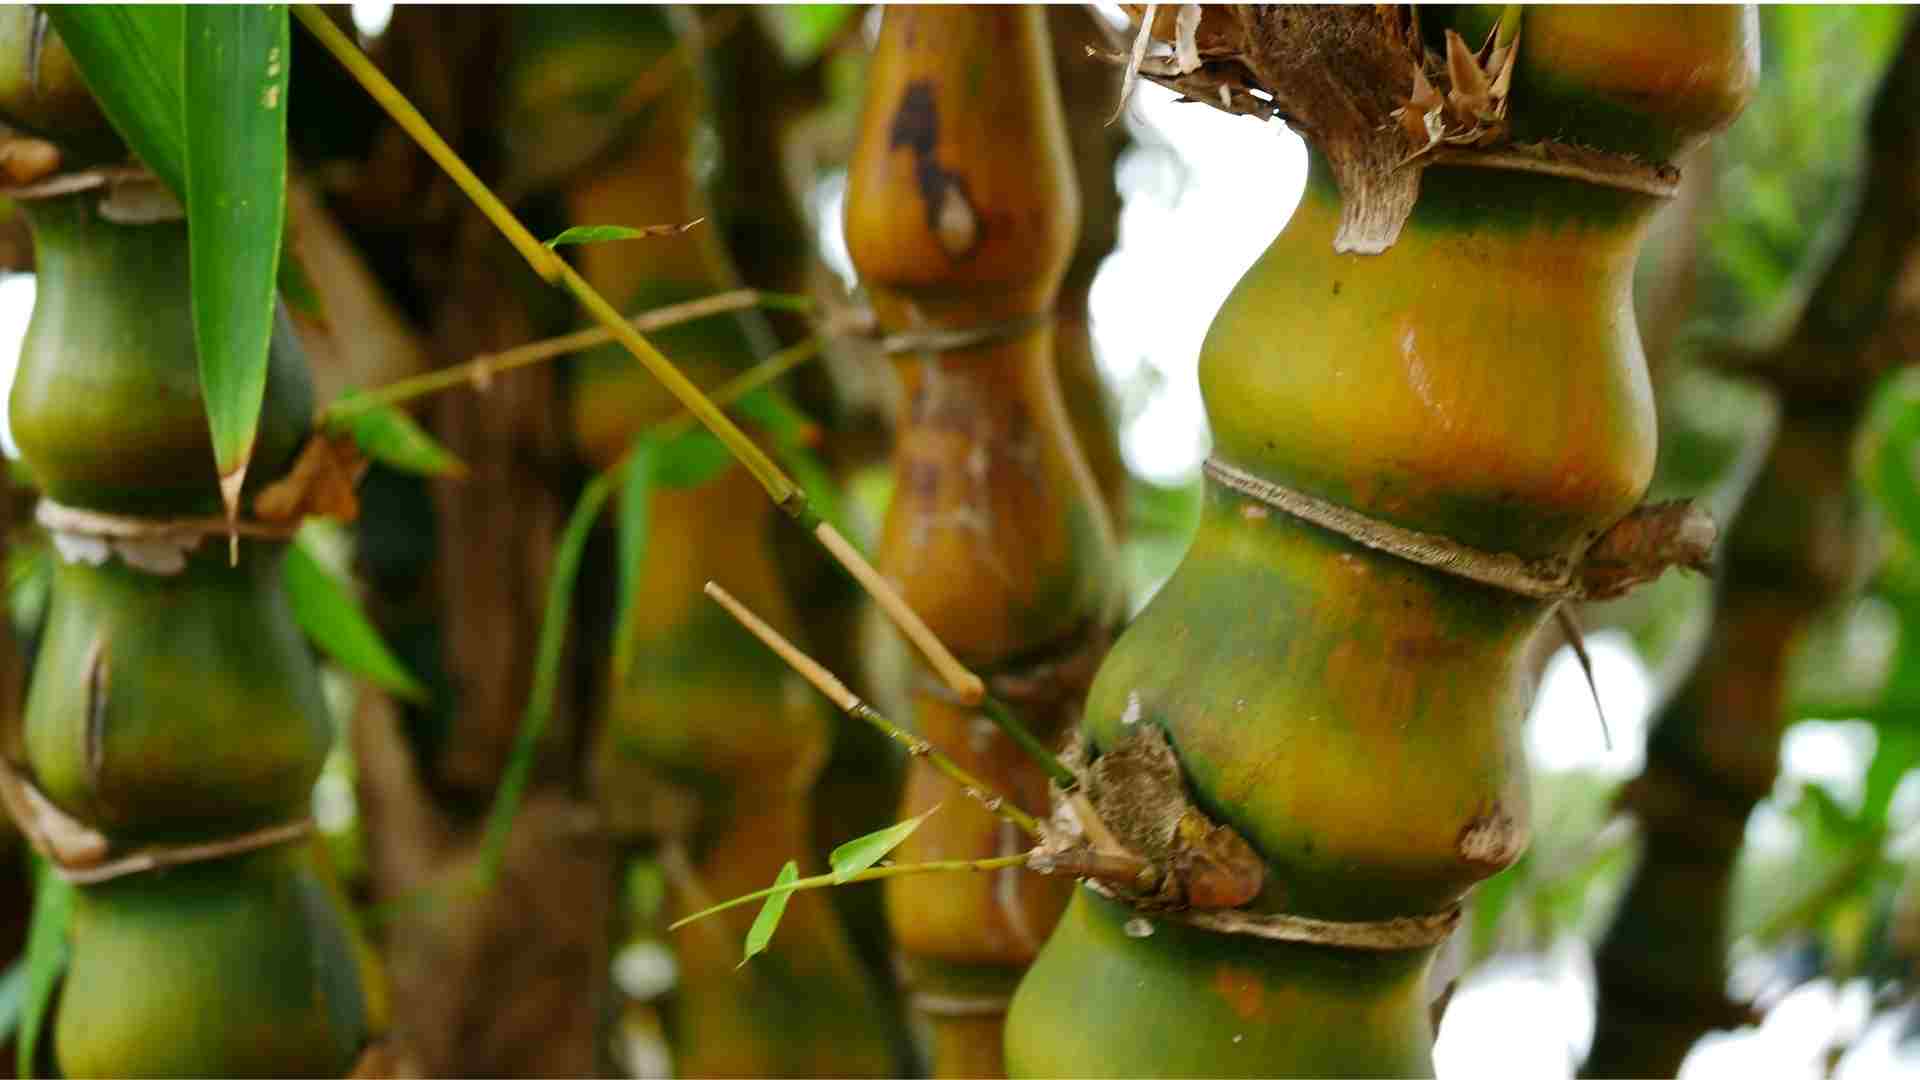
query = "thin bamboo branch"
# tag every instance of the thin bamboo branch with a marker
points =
(849, 702)
(480, 370)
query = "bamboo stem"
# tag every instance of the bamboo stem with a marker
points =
(849, 702)
(821, 881)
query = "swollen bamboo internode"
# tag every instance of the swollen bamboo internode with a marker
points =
(1353, 714)
(707, 750)
(961, 217)
(175, 709)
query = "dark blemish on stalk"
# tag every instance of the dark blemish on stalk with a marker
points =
(1336, 288)
(943, 194)
(97, 676)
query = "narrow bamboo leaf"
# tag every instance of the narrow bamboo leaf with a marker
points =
(600, 234)
(46, 961)
(691, 460)
(326, 608)
(636, 503)
(234, 82)
(760, 934)
(129, 55)
(546, 672)
(861, 852)
(388, 435)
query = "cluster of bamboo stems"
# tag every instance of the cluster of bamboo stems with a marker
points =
(1284, 777)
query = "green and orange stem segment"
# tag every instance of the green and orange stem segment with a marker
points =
(786, 495)
(1353, 713)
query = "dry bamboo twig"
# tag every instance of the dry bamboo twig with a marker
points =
(849, 702)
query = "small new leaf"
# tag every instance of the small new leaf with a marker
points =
(760, 934)
(388, 435)
(600, 234)
(691, 460)
(861, 852)
(327, 610)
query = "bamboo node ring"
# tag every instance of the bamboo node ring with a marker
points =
(83, 855)
(943, 339)
(1637, 549)
(154, 545)
(960, 1004)
(1383, 935)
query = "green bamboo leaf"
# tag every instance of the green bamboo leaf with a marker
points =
(600, 234)
(760, 934)
(691, 460)
(234, 82)
(636, 503)
(861, 852)
(47, 953)
(546, 672)
(388, 435)
(130, 56)
(326, 608)
(1888, 458)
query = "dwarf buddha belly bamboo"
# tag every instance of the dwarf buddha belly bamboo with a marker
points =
(1413, 450)
(174, 706)
(961, 218)
(708, 744)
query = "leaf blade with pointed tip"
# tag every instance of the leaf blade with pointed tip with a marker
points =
(601, 234)
(327, 611)
(388, 435)
(760, 934)
(234, 117)
(863, 851)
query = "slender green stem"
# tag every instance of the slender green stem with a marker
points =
(875, 874)
(1004, 719)
(545, 263)
(481, 368)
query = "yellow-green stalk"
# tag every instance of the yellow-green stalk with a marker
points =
(707, 746)
(1353, 714)
(174, 703)
(961, 216)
